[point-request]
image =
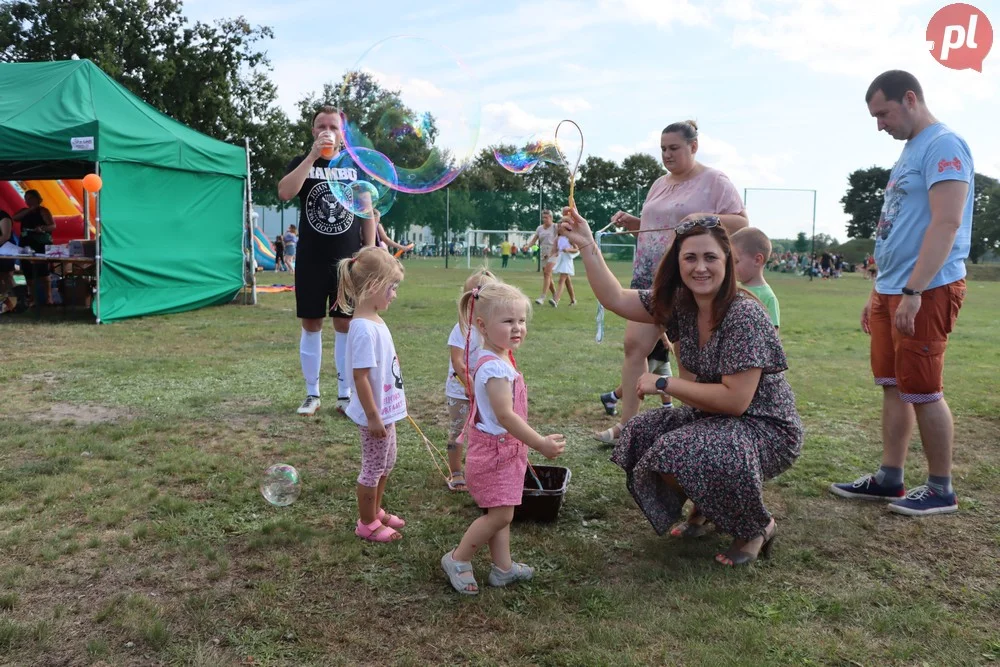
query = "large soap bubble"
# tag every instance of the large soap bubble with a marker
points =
(429, 124)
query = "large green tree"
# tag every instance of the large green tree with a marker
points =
(598, 194)
(214, 77)
(863, 201)
(985, 218)
(638, 171)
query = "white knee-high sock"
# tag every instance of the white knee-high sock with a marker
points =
(340, 356)
(311, 356)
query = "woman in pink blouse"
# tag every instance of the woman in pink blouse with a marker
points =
(688, 190)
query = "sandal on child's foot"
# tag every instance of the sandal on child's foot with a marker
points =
(390, 520)
(456, 482)
(459, 574)
(376, 531)
(517, 572)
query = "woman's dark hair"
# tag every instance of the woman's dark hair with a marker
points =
(686, 128)
(669, 291)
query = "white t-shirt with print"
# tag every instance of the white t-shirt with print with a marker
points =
(494, 368)
(369, 345)
(452, 387)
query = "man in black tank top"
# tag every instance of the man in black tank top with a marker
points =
(37, 226)
(327, 233)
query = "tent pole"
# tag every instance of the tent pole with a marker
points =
(248, 234)
(98, 241)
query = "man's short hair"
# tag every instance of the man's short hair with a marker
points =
(752, 241)
(894, 85)
(326, 108)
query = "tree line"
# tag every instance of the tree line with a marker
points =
(216, 78)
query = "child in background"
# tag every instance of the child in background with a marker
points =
(455, 390)
(279, 253)
(497, 434)
(367, 285)
(658, 363)
(564, 267)
(751, 248)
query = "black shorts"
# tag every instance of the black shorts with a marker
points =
(32, 270)
(316, 291)
(6, 265)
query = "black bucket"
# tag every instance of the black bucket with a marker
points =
(543, 504)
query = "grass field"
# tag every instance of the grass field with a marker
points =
(132, 530)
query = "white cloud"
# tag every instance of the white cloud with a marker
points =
(509, 121)
(661, 13)
(571, 104)
(859, 40)
(744, 170)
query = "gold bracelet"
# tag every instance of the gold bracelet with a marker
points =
(581, 247)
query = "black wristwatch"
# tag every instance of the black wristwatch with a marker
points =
(911, 292)
(661, 383)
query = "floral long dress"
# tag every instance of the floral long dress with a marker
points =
(720, 461)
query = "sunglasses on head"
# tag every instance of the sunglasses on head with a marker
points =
(708, 222)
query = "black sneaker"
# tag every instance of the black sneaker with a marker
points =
(610, 402)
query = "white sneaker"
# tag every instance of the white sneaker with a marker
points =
(553, 303)
(342, 404)
(309, 407)
(540, 300)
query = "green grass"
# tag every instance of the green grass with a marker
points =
(132, 531)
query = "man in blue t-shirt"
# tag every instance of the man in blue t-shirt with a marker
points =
(921, 242)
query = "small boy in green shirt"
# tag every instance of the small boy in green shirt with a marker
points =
(751, 250)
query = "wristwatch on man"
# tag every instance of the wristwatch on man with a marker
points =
(911, 292)
(661, 383)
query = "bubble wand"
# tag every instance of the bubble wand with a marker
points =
(579, 156)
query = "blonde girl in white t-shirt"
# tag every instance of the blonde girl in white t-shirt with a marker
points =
(367, 284)
(455, 391)
(497, 433)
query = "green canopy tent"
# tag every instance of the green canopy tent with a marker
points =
(172, 210)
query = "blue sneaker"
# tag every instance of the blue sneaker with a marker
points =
(923, 501)
(866, 488)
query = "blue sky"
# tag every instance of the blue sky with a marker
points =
(777, 86)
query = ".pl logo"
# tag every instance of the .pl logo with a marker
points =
(960, 37)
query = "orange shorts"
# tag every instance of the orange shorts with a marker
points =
(914, 364)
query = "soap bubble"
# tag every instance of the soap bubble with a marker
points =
(280, 485)
(430, 135)
(521, 154)
(361, 197)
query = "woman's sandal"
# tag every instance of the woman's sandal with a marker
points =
(377, 531)
(459, 574)
(390, 520)
(609, 437)
(456, 482)
(738, 557)
(690, 529)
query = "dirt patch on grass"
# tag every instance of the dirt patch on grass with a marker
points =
(81, 414)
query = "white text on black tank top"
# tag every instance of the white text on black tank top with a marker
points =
(323, 212)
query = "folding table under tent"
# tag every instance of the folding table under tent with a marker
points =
(172, 211)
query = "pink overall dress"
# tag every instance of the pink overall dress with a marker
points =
(495, 464)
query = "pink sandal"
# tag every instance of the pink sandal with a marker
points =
(390, 520)
(376, 531)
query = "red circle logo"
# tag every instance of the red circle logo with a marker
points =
(960, 37)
